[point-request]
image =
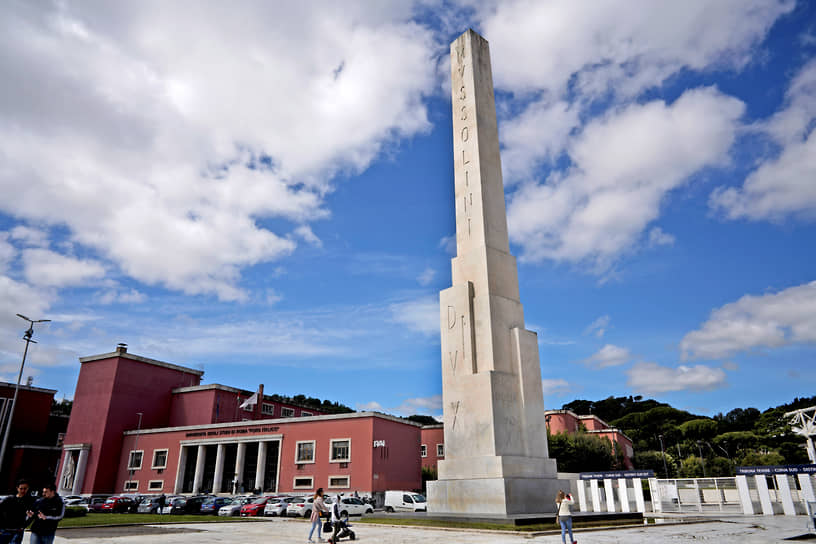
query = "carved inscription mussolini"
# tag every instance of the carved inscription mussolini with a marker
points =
(464, 127)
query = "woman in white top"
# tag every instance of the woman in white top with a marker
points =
(318, 506)
(563, 503)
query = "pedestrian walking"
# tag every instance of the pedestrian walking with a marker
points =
(46, 513)
(161, 502)
(13, 514)
(318, 507)
(563, 503)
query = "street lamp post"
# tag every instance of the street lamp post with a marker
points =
(702, 460)
(27, 337)
(663, 454)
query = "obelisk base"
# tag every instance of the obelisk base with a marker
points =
(494, 496)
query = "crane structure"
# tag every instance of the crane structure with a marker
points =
(803, 422)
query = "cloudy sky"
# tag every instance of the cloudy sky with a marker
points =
(264, 190)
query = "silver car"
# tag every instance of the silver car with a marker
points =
(234, 508)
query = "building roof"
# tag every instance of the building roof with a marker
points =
(125, 355)
(29, 388)
(254, 422)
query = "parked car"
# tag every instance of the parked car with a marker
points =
(149, 505)
(405, 500)
(168, 504)
(83, 503)
(234, 508)
(188, 505)
(95, 504)
(117, 505)
(213, 504)
(277, 506)
(354, 507)
(255, 507)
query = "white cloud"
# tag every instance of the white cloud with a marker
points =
(421, 315)
(764, 321)
(43, 267)
(305, 233)
(421, 405)
(651, 378)
(625, 165)
(176, 129)
(607, 356)
(7, 252)
(372, 406)
(782, 185)
(30, 236)
(543, 45)
(448, 244)
(598, 327)
(557, 386)
(133, 296)
(426, 277)
(659, 238)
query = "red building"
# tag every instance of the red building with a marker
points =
(432, 445)
(566, 421)
(147, 426)
(33, 447)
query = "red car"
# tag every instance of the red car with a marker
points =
(117, 504)
(255, 508)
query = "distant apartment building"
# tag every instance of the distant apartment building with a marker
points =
(567, 421)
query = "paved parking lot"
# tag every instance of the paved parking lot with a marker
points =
(742, 530)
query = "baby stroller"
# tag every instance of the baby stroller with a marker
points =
(343, 531)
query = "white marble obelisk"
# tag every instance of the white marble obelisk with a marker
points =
(496, 460)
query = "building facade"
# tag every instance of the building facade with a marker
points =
(33, 448)
(567, 421)
(146, 426)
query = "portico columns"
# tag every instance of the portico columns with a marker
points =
(219, 469)
(239, 464)
(79, 475)
(199, 469)
(180, 472)
(66, 463)
(260, 471)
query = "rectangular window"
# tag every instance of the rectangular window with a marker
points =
(304, 451)
(340, 451)
(135, 459)
(440, 450)
(287, 412)
(132, 485)
(155, 485)
(339, 481)
(423, 451)
(304, 413)
(268, 409)
(303, 482)
(159, 459)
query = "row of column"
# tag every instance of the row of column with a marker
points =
(623, 495)
(784, 493)
(201, 459)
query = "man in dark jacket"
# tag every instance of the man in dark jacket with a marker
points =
(47, 513)
(13, 519)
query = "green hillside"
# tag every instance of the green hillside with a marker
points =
(742, 437)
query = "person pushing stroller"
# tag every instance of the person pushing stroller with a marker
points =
(340, 526)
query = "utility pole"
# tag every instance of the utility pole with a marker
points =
(135, 446)
(663, 454)
(28, 340)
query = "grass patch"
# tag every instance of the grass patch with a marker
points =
(95, 518)
(495, 526)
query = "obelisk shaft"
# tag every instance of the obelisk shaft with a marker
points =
(495, 437)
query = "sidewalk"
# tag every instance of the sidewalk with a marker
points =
(741, 530)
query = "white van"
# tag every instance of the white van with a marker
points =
(396, 501)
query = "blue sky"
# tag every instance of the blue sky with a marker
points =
(265, 191)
